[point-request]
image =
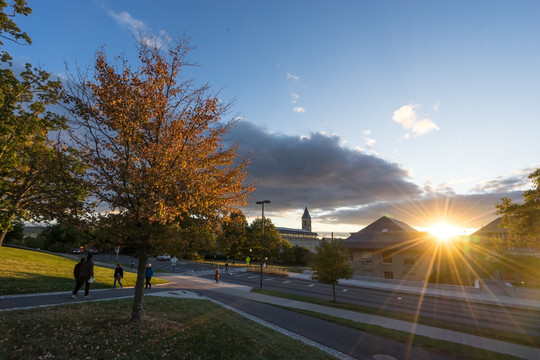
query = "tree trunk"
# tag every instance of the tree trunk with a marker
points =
(137, 308)
(3, 236)
(5, 231)
(334, 291)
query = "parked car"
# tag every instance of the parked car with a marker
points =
(77, 250)
(164, 257)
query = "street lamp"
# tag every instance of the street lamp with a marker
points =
(262, 234)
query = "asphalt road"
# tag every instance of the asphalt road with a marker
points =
(519, 321)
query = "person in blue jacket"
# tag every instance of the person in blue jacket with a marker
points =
(148, 276)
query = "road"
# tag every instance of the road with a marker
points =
(513, 320)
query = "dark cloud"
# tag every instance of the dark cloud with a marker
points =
(316, 171)
(346, 186)
(504, 183)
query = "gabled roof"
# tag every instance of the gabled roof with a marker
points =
(492, 227)
(381, 234)
(306, 214)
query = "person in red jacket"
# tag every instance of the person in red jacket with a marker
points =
(86, 272)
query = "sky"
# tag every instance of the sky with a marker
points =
(424, 111)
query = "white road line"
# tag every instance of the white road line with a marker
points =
(286, 282)
(345, 290)
(269, 279)
(311, 285)
(254, 276)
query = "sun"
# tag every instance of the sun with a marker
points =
(444, 231)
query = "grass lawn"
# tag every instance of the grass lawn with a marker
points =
(172, 329)
(474, 330)
(25, 271)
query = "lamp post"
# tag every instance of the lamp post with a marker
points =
(262, 234)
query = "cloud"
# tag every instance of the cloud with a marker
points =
(407, 117)
(370, 142)
(126, 20)
(299, 109)
(317, 171)
(291, 76)
(346, 186)
(463, 210)
(294, 98)
(516, 181)
(138, 28)
(436, 106)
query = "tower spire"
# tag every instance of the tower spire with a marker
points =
(306, 220)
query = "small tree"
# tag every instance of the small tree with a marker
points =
(272, 239)
(523, 220)
(330, 264)
(233, 235)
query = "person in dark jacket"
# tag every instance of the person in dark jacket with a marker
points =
(148, 276)
(77, 270)
(118, 275)
(216, 275)
(86, 272)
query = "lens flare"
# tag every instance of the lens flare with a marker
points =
(444, 232)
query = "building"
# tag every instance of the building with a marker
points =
(301, 237)
(391, 249)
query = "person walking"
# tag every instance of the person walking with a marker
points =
(132, 263)
(227, 266)
(86, 272)
(77, 270)
(148, 276)
(216, 276)
(118, 275)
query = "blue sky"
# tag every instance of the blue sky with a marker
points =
(421, 110)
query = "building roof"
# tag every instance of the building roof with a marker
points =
(492, 227)
(283, 230)
(383, 233)
(306, 214)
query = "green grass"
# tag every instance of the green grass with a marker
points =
(172, 329)
(515, 338)
(25, 271)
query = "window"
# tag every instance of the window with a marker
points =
(366, 257)
(388, 275)
(408, 261)
(387, 257)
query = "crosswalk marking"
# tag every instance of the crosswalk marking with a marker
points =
(311, 285)
(286, 282)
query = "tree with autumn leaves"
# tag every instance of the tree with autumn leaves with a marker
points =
(154, 144)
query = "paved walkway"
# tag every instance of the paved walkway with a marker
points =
(525, 352)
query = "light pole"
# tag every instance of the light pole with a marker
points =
(262, 234)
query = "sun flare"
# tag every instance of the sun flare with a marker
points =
(444, 232)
